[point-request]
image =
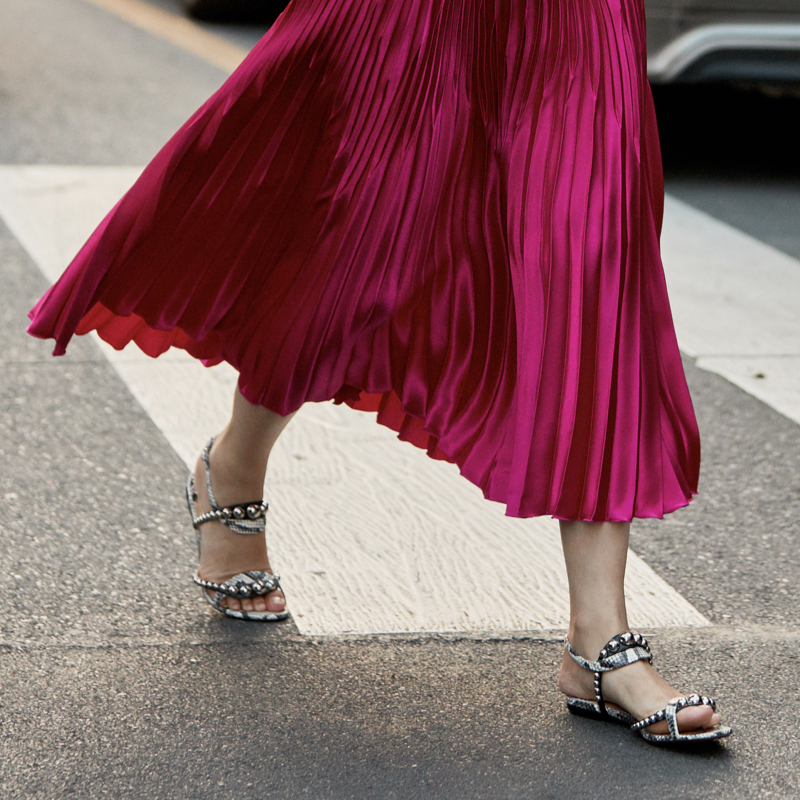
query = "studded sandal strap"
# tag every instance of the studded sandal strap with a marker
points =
(592, 666)
(670, 713)
(238, 516)
(621, 650)
(244, 518)
(254, 583)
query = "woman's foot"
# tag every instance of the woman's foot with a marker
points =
(637, 688)
(224, 553)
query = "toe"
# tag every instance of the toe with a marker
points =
(700, 719)
(229, 602)
(694, 718)
(275, 602)
(259, 603)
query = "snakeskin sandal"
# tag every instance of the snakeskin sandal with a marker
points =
(627, 648)
(244, 518)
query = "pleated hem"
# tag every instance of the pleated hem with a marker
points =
(385, 403)
(412, 429)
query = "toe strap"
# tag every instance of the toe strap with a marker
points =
(670, 713)
(246, 584)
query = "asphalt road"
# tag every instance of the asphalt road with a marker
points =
(116, 681)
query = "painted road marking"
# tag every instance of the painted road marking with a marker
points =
(370, 534)
(178, 31)
(736, 303)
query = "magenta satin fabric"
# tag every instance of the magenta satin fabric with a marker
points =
(445, 211)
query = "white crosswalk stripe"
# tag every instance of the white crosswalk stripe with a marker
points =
(370, 535)
(736, 303)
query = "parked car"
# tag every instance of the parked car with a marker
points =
(694, 41)
(688, 40)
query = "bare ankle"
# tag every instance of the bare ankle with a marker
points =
(234, 469)
(588, 635)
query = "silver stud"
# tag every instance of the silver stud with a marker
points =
(627, 638)
(637, 637)
(603, 653)
(252, 511)
(613, 645)
(238, 512)
(226, 512)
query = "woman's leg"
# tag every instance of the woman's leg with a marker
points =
(238, 469)
(596, 554)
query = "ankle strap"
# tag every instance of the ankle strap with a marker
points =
(206, 457)
(244, 518)
(623, 649)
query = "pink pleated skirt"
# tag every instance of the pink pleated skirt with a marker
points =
(443, 211)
